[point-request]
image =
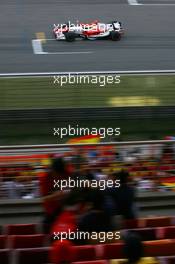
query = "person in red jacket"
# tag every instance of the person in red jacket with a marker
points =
(62, 246)
(53, 198)
(61, 252)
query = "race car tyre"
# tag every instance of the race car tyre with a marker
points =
(70, 36)
(91, 38)
(115, 36)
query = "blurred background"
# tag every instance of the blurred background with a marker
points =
(142, 156)
(30, 107)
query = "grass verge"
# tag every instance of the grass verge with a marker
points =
(43, 93)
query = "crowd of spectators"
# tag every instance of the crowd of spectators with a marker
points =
(89, 209)
(151, 168)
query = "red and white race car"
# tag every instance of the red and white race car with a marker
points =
(91, 31)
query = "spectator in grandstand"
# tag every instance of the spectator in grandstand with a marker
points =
(53, 197)
(99, 174)
(78, 158)
(67, 219)
(95, 218)
(110, 202)
(31, 188)
(167, 153)
(10, 187)
(13, 184)
(61, 247)
(134, 251)
(84, 173)
(124, 197)
(84, 210)
(62, 252)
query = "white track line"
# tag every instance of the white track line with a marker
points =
(38, 49)
(37, 46)
(68, 52)
(158, 4)
(52, 39)
(133, 2)
(46, 74)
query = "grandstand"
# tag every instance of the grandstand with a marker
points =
(151, 165)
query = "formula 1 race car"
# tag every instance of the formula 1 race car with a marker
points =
(92, 31)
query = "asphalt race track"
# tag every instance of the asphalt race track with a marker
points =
(148, 44)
